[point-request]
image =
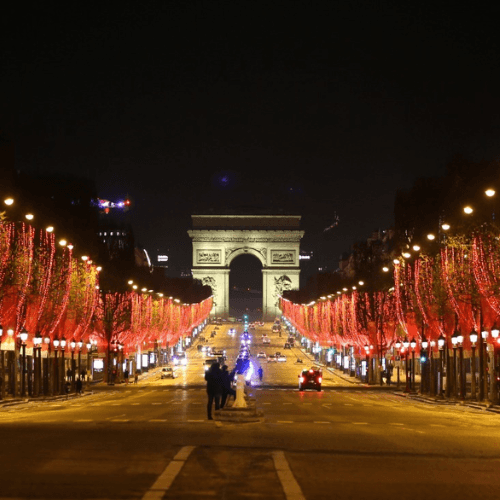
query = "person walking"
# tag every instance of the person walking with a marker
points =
(227, 380)
(136, 377)
(79, 386)
(215, 385)
(126, 374)
(260, 371)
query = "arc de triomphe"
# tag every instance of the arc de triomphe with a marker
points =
(273, 239)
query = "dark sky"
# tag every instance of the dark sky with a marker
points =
(325, 107)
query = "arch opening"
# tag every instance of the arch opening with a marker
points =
(246, 287)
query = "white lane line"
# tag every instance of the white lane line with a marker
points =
(321, 422)
(396, 424)
(288, 482)
(157, 420)
(165, 480)
(285, 421)
(83, 420)
(359, 423)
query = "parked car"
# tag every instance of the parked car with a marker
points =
(271, 359)
(281, 358)
(266, 340)
(311, 378)
(261, 354)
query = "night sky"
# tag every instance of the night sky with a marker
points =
(322, 108)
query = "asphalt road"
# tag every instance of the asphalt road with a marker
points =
(153, 441)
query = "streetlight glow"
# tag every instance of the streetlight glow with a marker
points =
(490, 192)
(468, 210)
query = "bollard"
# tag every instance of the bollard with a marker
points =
(240, 391)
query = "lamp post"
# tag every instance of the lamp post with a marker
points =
(441, 344)
(406, 345)
(37, 353)
(55, 384)
(2, 367)
(413, 345)
(80, 345)
(454, 342)
(47, 369)
(24, 337)
(88, 345)
(398, 350)
(461, 367)
(63, 362)
(73, 346)
(483, 359)
(473, 339)
(367, 351)
(494, 396)
(423, 361)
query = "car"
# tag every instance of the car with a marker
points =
(281, 358)
(266, 340)
(271, 359)
(277, 354)
(168, 372)
(261, 354)
(180, 358)
(287, 345)
(311, 378)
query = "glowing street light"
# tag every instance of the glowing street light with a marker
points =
(431, 237)
(490, 192)
(8, 201)
(445, 227)
(468, 210)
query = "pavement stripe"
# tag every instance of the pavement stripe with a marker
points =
(165, 480)
(288, 482)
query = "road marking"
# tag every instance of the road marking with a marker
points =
(285, 421)
(83, 420)
(288, 482)
(196, 420)
(321, 422)
(156, 403)
(158, 420)
(396, 424)
(359, 423)
(165, 480)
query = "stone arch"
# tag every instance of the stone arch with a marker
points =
(273, 239)
(236, 252)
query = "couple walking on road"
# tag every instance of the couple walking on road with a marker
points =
(218, 387)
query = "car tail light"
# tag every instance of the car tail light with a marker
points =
(320, 379)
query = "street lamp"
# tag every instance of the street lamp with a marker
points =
(495, 375)
(397, 345)
(37, 352)
(441, 344)
(63, 362)
(24, 337)
(473, 336)
(80, 345)
(483, 357)
(424, 364)
(460, 340)
(406, 345)
(413, 345)
(47, 371)
(73, 346)
(454, 342)
(367, 351)
(56, 367)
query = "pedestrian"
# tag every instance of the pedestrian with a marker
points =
(388, 374)
(260, 371)
(68, 374)
(126, 374)
(227, 390)
(215, 385)
(79, 386)
(83, 375)
(136, 377)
